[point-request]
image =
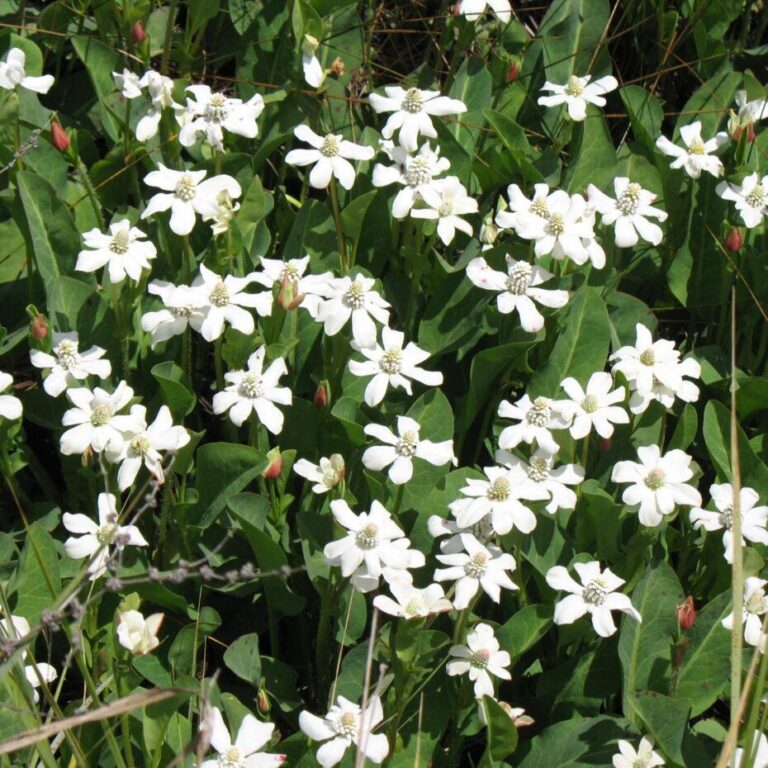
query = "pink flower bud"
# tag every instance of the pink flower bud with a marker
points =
(686, 613)
(138, 32)
(734, 240)
(59, 137)
(322, 394)
(275, 466)
(39, 327)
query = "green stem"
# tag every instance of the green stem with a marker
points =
(345, 265)
(91, 192)
(218, 364)
(164, 62)
(398, 499)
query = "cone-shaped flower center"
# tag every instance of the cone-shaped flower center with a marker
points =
(251, 385)
(480, 658)
(648, 357)
(574, 87)
(347, 725)
(391, 361)
(726, 517)
(539, 207)
(538, 469)
(499, 489)
(120, 242)
(218, 109)
(367, 536)
(756, 603)
(331, 146)
(697, 147)
(67, 353)
(105, 534)
(556, 224)
(354, 298)
(413, 101)
(629, 199)
(655, 479)
(756, 198)
(519, 279)
(185, 188)
(414, 606)
(419, 171)
(219, 295)
(594, 593)
(101, 413)
(539, 413)
(590, 404)
(477, 565)
(406, 445)
(140, 445)
(181, 311)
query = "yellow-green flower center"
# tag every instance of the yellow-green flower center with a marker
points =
(219, 296)
(101, 413)
(629, 200)
(519, 279)
(413, 101)
(120, 242)
(185, 188)
(331, 146)
(391, 361)
(655, 479)
(574, 86)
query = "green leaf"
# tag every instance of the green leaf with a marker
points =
(243, 658)
(524, 629)
(516, 142)
(502, 733)
(645, 647)
(645, 114)
(176, 387)
(666, 719)
(223, 470)
(39, 583)
(581, 349)
(100, 61)
(595, 154)
(704, 672)
(473, 86)
(685, 429)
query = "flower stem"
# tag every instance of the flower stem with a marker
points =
(91, 192)
(345, 265)
(218, 364)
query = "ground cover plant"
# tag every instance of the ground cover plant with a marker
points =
(383, 383)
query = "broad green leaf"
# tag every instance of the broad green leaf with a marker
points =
(666, 719)
(39, 583)
(243, 658)
(100, 61)
(685, 429)
(502, 733)
(473, 86)
(524, 629)
(645, 114)
(176, 387)
(595, 155)
(516, 142)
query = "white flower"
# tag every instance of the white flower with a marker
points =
(145, 445)
(414, 172)
(629, 212)
(127, 82)
(541, 475)
(438, 526)
(537, 417)
(644, 757)
(753, 111)
(330, 156)
(519, 204)
(412, 110)
(212, 113)
(696, 157)
(95, 541)
(473, 9)
(392, 365)
(67, 363)
(413, 603)
(478, 566)
(753, 613)
(221, 213)
(658, 483)
(184, 307)
(751, 198)
(561, 232)
(314, 74)
(753, 519)
(400, 450)
(374, 542)
(255, 390)
(349, 297)
(137, 634)
(577, 93)
(309, 289)
(12, 73)
(345, 725)
(186, 194)
(16, 628)
(480, 658)
(518, 289)
(447, 202)
(244, 751)
(10, 406)
(654, 371)
(123, 249)
(325, 476)
(595, 595)
(594, 408)
(498, 498)
(160, 89)
(516, 714)
(95, 420)
(224, 301)
(759, 749)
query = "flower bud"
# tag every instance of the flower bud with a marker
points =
(513, 71)
(322, 394)
(337, 67)
(309, 45)
(59, 137)
(39, 327)
(686, 613)
(275, 466)
(488, 231)
(262, 701)
(138, 32)
(286, 295)
(734, 240)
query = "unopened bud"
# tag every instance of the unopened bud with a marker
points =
(275, 466)
(309, 45)
(263, 702)
(59, 137)
(39, 327)
(488, 231)
(138, 32)
(513, 72)
(734, 240)
(322, 394)
(286, 295)
(686, 613)
(337, 67)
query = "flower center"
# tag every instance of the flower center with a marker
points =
(413, 101)
(648, 357)
(419, 171)
(105, 534)
(219, 296)
(218, 109)
(290, 273)
(391, 361)
(446, 208)
(347, 725)
(120, 242)
(756, 198)
(477, 565)
(655, 479)
(726, 517)
(230, 759)
(556, 224)
(538, 469)
(519, 279)
(355, 295)
(140, 445)
(629, 200)
(697, 148)
(574, 87)
(251, 386)
(406, 445)
(367, 536)
(181, 311)
(755, 603)
(331, 146)
(101, 413)
(594, 593)
(589, 404)
(413, 607)
(480, 658)
(186, 188)
(539, 413)
(499, 489)
(539, 207)
(67, 353)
